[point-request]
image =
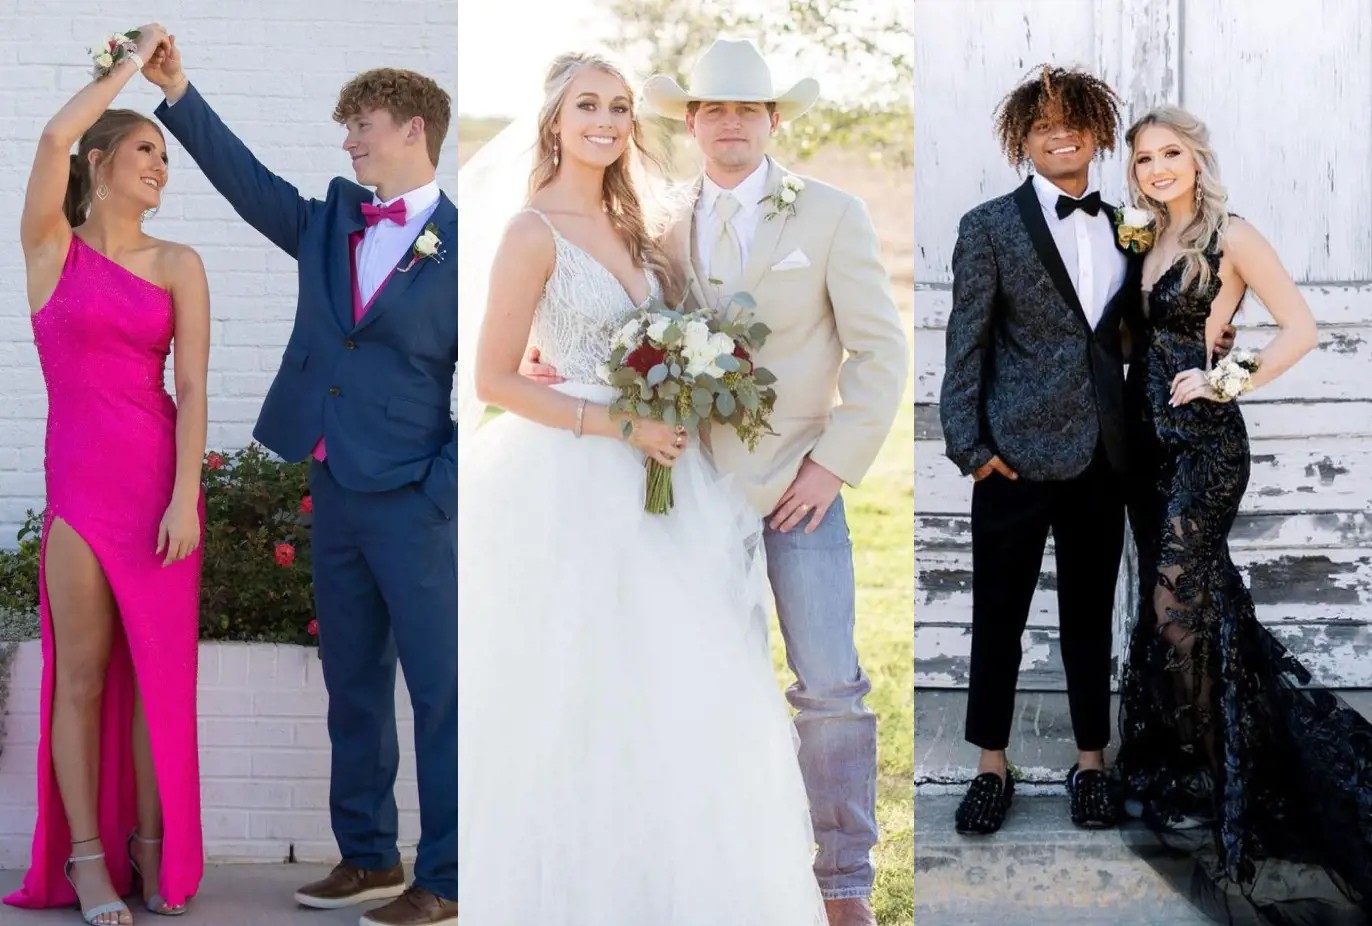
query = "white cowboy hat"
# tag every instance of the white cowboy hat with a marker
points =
(730, 71)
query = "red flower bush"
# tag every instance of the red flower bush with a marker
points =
(285, 554)
(307, 505)
(214, 460)
(312, 628)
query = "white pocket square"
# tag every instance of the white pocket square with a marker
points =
(793, 261)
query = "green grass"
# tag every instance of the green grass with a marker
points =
(880, 515)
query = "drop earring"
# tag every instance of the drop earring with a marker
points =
(1199, 194)
(102, 192)
(557, 152)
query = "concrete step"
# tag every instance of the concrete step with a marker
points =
(1039, 869)
(230, 895)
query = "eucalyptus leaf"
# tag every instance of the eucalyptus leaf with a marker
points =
(701, 398)
(725, 403)
(764, 377)
(644, 409)
(657, 374)
(728, 363)
(669, 416)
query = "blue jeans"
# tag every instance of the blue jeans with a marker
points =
(812, 579)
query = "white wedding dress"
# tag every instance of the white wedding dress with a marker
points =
(626, 758)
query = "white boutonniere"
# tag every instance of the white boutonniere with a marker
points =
(1134, 229)
(783, 198)
(111, 50)
(427, 245)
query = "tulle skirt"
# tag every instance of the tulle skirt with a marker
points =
(626, 756)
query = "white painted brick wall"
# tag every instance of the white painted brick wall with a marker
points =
(273, 72)
(264, 756)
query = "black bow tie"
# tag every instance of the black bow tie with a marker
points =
(1090, 204)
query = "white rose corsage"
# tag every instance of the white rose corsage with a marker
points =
(113, 49)
(1134, 229)
(783, 198)
(1232, 376)
(427, 245)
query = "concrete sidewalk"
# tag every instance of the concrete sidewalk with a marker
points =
(230, 895)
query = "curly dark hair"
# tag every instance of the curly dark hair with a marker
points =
(1084, 101)
(404, 94)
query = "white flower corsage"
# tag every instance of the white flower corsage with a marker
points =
(783, 198)
(1232, 376)
(427, 245)
(1134, 229)
(113, 49)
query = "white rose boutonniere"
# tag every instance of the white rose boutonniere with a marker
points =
(427, 245)
(1134, 229)
(783, 198)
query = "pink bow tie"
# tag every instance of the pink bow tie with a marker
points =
(373, 214)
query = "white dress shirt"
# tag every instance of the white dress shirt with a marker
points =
(1086, 244)
(748, 193)
(385, 243)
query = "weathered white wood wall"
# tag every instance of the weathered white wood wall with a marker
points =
(1287, 92)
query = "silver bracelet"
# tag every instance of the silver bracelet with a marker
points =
(580, 417)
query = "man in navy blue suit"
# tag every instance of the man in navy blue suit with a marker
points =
(365, 389)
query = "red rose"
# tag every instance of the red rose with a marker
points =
(644, 357)
(312, 628)
(741, 354)
(285, 554)
(307, 505)
(214, 461)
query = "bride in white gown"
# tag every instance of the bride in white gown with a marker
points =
(626, 757)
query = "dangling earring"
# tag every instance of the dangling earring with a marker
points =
(150, 213)
(557, 153)
(102, 192)
(1199, 194)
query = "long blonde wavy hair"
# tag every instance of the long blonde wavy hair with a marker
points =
(1211, 218)
(621, 193)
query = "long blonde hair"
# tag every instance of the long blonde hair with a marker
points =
(1207, 226)
(620, 194)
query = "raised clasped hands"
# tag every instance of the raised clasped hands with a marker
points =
(163, 66)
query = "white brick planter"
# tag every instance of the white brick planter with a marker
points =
(264, 755)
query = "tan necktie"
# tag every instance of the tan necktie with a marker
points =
(726, 254)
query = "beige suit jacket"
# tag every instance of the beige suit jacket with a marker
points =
(838, 347)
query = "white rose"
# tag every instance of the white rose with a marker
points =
(104, 60)
(427, 245)
(1136, 218)
(627, 335)
(696, 336)
(658, 328)
(603, 371)
(794, 183)
(788, 195)
(721, 343)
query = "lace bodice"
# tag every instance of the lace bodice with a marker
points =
(583, 305)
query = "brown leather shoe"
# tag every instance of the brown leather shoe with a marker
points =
(347, 885)
(849, 911)
(415, 907)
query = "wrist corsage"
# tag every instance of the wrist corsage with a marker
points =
(1233, 375)
(112, 50)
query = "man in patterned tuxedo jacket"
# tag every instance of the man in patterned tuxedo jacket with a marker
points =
(364, 391)
(1032, 408)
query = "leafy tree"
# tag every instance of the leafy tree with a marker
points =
(667, 36)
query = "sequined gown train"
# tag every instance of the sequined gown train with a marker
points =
(625, 753)
(1259, 780)
(103, 339)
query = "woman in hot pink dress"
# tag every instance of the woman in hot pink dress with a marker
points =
(118, 781)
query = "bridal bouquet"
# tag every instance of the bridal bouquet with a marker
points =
(690, 369)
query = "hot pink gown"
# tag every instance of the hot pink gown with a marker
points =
(103, 340)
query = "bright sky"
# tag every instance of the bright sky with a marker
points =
(504, 47)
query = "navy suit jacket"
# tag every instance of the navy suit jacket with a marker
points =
(380, 390)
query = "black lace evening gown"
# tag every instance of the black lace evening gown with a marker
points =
(1256, 787)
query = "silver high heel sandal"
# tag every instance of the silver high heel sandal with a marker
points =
(117, 907)
(155, 903)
